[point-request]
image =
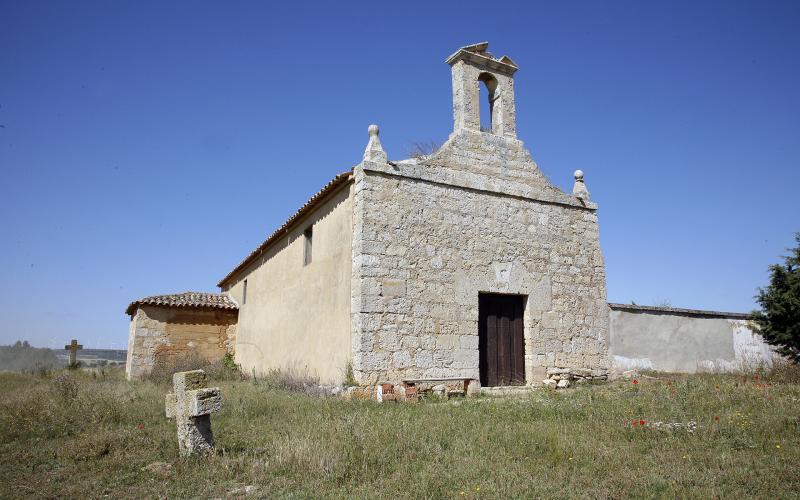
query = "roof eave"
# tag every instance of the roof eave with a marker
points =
(504, 66)
(329, 189)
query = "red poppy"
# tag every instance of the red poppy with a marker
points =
(140, 427)
(635, 381)
(642, 422)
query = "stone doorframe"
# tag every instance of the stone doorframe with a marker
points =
(511, 278)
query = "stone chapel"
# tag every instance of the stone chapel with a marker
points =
(465, 263)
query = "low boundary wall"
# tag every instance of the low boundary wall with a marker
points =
(683, 340)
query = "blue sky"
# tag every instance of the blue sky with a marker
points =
(147, 147)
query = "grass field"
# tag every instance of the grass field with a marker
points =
(77, 434)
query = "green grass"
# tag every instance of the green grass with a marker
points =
(81, 435)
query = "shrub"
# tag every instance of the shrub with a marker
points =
(166, 366)
(423, 149)
(229, 362)
(222, 369)
(293, 380)
(349, 377)
(65, 387)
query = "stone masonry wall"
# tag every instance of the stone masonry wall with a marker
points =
(160, 333)
(477, 216)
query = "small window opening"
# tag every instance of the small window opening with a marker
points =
(308, 236)
(487, 99)
(244, 292)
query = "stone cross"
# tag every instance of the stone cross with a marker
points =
(191, 406)
(73, 348)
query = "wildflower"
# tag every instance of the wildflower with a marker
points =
(477, 488)
(642, 422)
(716, 417)
(778, 446)
(140, 427)
(635, 382)
(716, 387)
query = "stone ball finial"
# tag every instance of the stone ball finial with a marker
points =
(374, 151)
(579, 189)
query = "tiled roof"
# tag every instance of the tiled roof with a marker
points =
(204, 300)
(337, 181)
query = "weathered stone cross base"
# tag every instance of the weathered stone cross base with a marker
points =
(191, 406)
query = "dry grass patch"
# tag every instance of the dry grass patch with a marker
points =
(73, 434)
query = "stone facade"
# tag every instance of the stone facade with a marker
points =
(162, 333)
(432, 233)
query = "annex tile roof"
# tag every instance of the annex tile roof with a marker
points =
(312, 203)
(205, 300)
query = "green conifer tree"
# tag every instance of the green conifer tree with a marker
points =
(778, 321)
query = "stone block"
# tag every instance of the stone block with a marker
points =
(393, 288)
(534, 372)
(424, 359)
(468, 341)
(187, 381)
(402, 360)
(204, 401)
(465, 358)
(447, 342)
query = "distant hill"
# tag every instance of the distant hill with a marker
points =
(22, 357)
(95, 354)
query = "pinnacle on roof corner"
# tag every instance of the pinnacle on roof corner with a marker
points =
(374, 151)
(579, 189)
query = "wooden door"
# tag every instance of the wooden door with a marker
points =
(500, 342)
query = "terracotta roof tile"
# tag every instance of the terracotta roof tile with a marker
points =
(307, 207)
(187, 299)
